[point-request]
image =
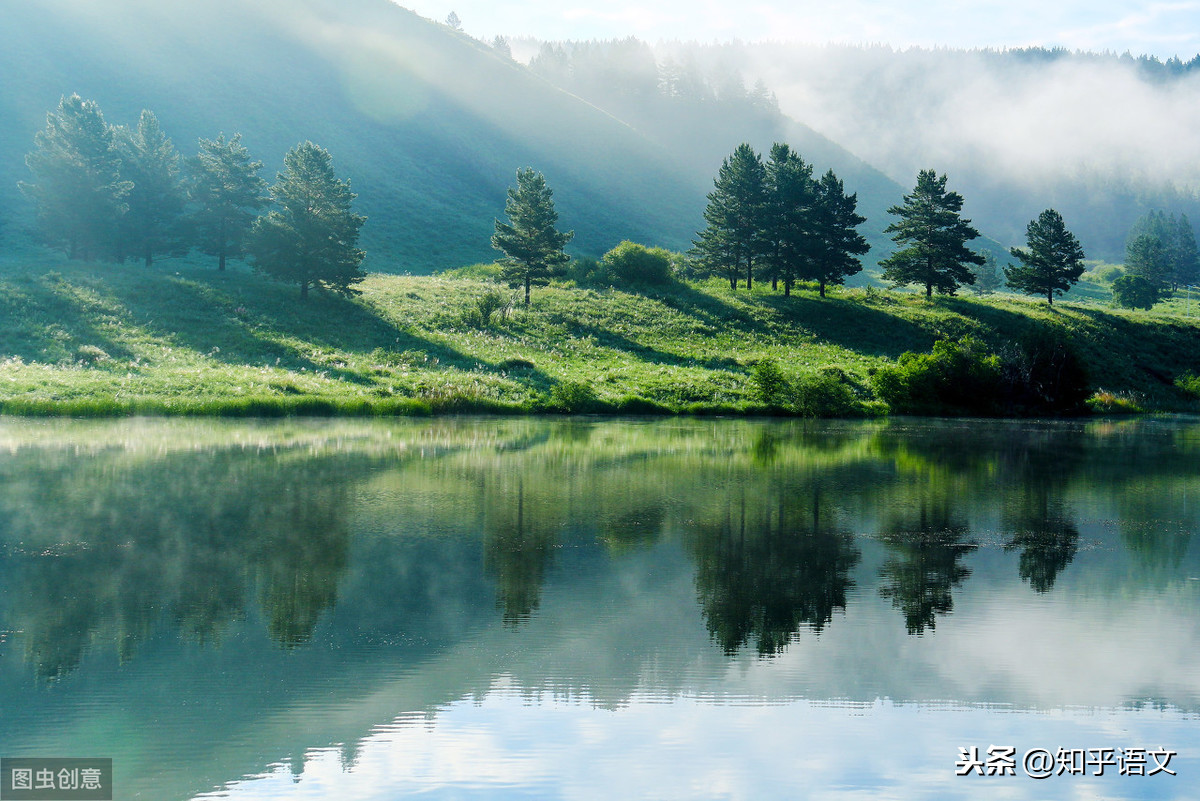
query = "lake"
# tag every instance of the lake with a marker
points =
(597, 608)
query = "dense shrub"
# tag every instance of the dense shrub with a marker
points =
(1189, 382)
(1039, 374)
(1044, 374)
(479, 313)
(773, 388)
(823, 396)
(957, 378)
(1134, 292)
(826, 394)
(586, 271)
(631, 263)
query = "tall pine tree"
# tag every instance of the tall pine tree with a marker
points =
(156, 198)
(228, 192)
(1053, 262)
(786, 221)
(530, 240)
(312, 238)
(733, 236)
(838, 242)
(77, 187)
(932, 237)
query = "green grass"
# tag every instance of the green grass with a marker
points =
(181, 338)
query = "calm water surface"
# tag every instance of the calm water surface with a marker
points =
(485, 608)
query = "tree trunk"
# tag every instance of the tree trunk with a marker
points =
(304, 290)
(221, 261)
(822, 289)
(749, 274)
(929, 290)
(774, 284)
(1050, 296)
(527, 290)
(787, 287)
(733, 280)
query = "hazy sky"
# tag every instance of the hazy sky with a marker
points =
(1158, 28)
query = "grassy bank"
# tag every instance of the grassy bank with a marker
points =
(181, 338)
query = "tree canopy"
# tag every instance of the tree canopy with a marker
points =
(734, 235)
(78, 187)
(1162, 249)
(312, 238)
(837, 240)
(156, 196)
(228, 192)
(933, 238)
(531, 242)
(1053, 262)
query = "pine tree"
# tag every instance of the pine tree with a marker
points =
(838, 242)
(530, 241)
(988, 276)
(734, 234)
(156, 199)
(312, 238)
(1147, 258)
(934, 238)
(229, 193)
(1053, 262)
(786, 221)
(1185, 255)
(78, 188)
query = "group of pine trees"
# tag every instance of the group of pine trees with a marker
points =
(111, 192)
(1160, 257)
(776, 216)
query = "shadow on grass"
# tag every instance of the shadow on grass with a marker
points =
(48, 318)
(649, 354)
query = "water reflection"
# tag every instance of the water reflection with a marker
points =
(300, 584)
(925, 565)
(763, 572)
(517, 553)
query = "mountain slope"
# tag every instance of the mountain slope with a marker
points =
(429, 125)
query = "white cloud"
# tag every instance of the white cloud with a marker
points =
(1158, 28)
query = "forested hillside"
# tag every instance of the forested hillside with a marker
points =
(1102, 138)
(429, 125)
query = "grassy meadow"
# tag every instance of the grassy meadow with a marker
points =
(182, 338)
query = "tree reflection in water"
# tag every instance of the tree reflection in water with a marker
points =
(764, 572)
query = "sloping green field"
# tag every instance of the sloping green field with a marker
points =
(181, 338)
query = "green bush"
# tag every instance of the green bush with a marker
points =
(1135, 292)
(957, 378)
(823, 396)
(1107, 273)
(826, 394)
(1044, 374)
(631, 263)
(585, 271)
(479, 313)
(1189, 382)
(1040, 374)
(773, 388)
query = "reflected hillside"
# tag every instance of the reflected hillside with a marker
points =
(300, 583)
